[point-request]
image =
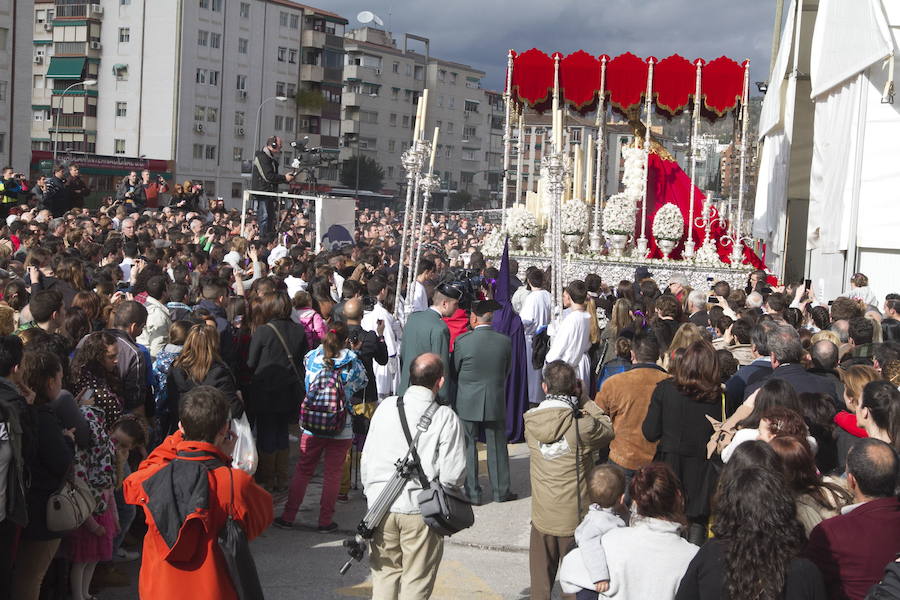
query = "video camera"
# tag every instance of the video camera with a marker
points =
(467, 281)
(307, 157)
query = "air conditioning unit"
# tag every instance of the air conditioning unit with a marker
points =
(39, 60)
(198, 127)
(96, 46)
(48, 27)
(96, 9)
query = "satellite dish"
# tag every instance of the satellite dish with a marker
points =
(368, 16)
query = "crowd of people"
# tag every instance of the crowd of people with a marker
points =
(684, 443)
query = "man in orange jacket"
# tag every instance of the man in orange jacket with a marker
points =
(186, 486)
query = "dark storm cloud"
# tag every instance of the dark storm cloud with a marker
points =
(479, 32)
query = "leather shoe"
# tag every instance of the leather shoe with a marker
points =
(507, 498)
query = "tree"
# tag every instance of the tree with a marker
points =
(461, 200)
(371, 175)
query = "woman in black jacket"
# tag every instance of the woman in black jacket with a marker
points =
(46, 465)
(677, 419)
(279, 385)
(199, 363)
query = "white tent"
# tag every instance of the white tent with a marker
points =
(854, 172)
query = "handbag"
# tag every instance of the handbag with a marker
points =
(236, 550)
(445, 511)
(540, 346)
(70, 506)
(724, 430)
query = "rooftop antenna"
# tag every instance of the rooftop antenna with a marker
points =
(367, 16)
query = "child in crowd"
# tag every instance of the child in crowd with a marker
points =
(164, 413)
(584, 571)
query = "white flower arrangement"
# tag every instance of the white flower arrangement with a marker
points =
(520, 222)
(492, 244)
(707, 253)
(574, 217)
(634, 177)
(668, 223)
(619, 215)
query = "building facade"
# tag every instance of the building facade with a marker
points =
(15, 81)
(199, 83)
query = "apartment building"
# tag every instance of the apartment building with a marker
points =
(15, 80)
(186, 82)
(382, 83)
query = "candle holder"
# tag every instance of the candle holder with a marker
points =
(558, 165)
(412, 160)
(596, 240)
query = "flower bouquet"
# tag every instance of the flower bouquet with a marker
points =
(492, 244)
(575, 216)
(668, 227)
(520, 222)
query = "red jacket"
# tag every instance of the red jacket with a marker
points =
(851, 550)
(458, 324)
(181, 557)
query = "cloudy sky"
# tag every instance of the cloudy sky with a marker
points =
(479, 32)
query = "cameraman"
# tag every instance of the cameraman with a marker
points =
(12, 185)
(153, 188)
(266, 179)
(78, 189)
(131, 193)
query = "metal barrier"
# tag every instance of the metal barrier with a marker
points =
(279, 196)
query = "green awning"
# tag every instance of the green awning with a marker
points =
(66, 67)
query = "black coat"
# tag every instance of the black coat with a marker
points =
(276, 388)
(678, 422)
(265, 176)
(56, 196)
(45, 468)
(705, 577)
(700, 319)
(13, 412)
(179, 382)
(664, 330)
(889, 586)
(800, 379)
(372, 350)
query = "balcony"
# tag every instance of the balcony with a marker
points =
(348, 126)
(311, 73)
(75, 122)
(312, 39)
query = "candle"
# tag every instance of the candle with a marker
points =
(577, 181)
(433, 150)
(418, 122)
(424, 102)
(589, 191)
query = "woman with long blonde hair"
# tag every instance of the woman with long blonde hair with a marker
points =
(687, 334)
(854, 379)
(199, 364)
(620, 318)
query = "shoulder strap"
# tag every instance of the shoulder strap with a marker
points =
(424, 423)
(287, 351)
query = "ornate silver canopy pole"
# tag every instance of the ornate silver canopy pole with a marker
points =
(520, 156)
(412, 161)
(507, 138)
(689, 244)
(737, 251)
(600, 123)
(428, 184)
(642, 241)
(556, 175)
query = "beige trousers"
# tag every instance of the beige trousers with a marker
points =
(405, 558)
(32, 561)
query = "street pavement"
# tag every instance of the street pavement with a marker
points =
(488, 561)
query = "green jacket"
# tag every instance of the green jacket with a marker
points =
(482, 360)
(425, 331)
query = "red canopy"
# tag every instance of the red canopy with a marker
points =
(674, 82)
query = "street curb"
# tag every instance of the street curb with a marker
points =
(476, 545)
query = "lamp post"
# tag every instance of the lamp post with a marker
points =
(85, 83)
(259, 115)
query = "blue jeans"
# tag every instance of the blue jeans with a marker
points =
(126, 513)
(266, 215)
(629, 475)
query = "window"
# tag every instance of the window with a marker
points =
(202, 38)
(3, 86)
(38, 82)
(124, 2)
(124, 35)
(289, 124)
(392, 119)
(279, 122)
(441, 101)
(204, 3)
(241, 83)
(214, 78)
(442, 75)
(409, 70)
(216, 6)
(39, 115)
(279, 88)
(469, 133)
(368, 116)
(469, 154)
(390, 171)
(209, 187)
(199, 113)
(212, 114)
(282, 53)
(453, 78)
(392, 145)
(243, 45)
(202, 74)
(237, 189)
(471, 106)
(395, 68)
(292, 56)
(449, 150)
(120, 146)
(283, 19)
(292, 90)
(238, 153)
(198, 151)
(295, 21)
(210, 153)
(450, 127)
(215, 40)
(408, 95)
(245, 10)
(121, 72)
(406, 120)
(451, 102)
(395, 93)
(121, 109)
(239, 118)
(40, 16)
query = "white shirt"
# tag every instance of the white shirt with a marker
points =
(419, 297)
(441, 448)
(338, 287)
(571, 342)
(518, 298)
(294, 285)
(277, 253)
(387, 376)
(125, 265)
(535, 311)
